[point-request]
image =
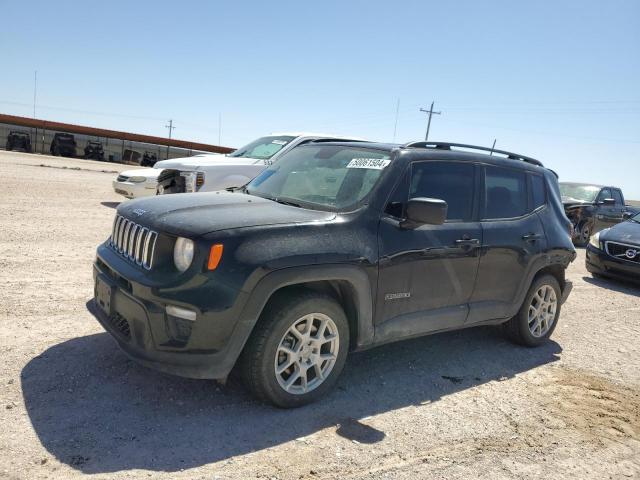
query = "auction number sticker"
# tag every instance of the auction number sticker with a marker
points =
(371, 163)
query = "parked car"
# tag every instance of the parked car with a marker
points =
(149, 159)
(615, 252)
(235, 169)
(592, 208)
(222, 171)
(18, 141)
(337, 247)
(63, 144)
(141, 182)
(94, 150)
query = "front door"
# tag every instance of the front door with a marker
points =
(427, 274)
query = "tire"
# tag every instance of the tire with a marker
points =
(584, 234)
(519, 329)
(264, 353)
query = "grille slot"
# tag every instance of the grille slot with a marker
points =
(619, 251)
(120, 324)
(133, 241)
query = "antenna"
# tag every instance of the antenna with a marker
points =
(492, 147)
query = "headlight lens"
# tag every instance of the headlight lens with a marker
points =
(137, 179)
(183, 253)
(595, 240)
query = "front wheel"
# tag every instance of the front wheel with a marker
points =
(297, 350)
(537, 318)
(584, 234)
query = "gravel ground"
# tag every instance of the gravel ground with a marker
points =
(458, 405)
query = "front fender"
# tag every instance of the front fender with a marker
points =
(264, 289)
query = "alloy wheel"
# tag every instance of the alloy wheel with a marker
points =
(542, 311)
(307, 353)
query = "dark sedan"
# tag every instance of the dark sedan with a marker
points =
(615, 252)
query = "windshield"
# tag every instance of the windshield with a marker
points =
(326, 176)
(582, 193)
(263, 148)
(636, 217)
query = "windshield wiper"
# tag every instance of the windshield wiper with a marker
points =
(286, 202)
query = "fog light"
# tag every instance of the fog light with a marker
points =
(181, 312)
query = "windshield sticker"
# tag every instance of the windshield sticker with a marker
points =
(371, 163)
(279, 142)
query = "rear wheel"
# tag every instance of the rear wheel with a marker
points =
(537, 318)
(297, 350)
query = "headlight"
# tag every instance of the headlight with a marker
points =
(595, 239)
(189, 181)
(183, 253)
(137, 179)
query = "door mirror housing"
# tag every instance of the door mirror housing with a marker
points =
(421, 211)
(608, 201)
(627, 215)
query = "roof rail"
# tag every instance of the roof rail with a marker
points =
(447, 146)
(335, 139)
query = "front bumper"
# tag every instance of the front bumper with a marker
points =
(136, 317)
(135, 190)
(599, 262)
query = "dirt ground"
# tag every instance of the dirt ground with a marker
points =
(458, 405)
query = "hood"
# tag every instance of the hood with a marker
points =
(142, 172)
(625, 232)
(184, 161)
(570, 201)
(192, 215)
(192, 163)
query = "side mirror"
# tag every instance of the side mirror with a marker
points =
(608, 201)
(420, 211)
(627, 215)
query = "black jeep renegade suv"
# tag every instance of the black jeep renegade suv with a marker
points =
(339, 246)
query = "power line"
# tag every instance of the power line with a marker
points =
(431, 113)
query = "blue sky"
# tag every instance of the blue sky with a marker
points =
(558, 81)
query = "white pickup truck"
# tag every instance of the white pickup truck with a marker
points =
(211, 172)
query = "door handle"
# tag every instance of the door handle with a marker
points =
(467, 242)
(531, 237)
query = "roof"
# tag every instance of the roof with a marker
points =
(579, 184)
(417, 149)
(101, 132)
(315, 134)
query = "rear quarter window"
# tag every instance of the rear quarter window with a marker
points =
(537, 191)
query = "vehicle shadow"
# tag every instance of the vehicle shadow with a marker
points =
(110, 204)
(616, 285)
(96, 410)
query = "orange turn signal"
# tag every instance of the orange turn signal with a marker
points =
(215, 255)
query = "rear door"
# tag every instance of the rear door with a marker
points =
(512, 238)
(427, 274)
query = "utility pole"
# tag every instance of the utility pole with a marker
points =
(430, 112)
(35, 90)
(395, 126)
(170, 127)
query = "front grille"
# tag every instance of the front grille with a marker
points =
(122, 178)
(133, 241)
(121, 324)
(630, 253)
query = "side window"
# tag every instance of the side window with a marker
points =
(617, 196)
(449, 181)
(505, 194)
(537, 191)
(604, 193)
